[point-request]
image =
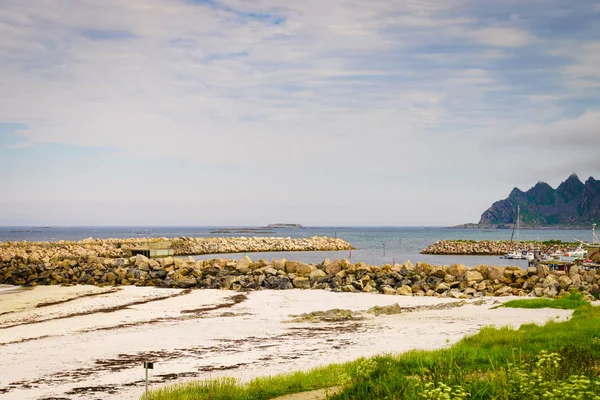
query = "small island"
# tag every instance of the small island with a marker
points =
(284, 226)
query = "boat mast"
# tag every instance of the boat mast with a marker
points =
(518, 218)
(594, 237)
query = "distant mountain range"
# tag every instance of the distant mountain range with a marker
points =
(572, 204)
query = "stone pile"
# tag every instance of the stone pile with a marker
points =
(422, 279)
(35, 252)
(488, 247)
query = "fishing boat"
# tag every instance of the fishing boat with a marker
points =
(513, 255)
(579, 252)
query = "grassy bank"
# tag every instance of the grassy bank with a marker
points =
(572, 301)
(555, 361)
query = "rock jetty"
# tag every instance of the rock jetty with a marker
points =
(422, 279)
(182, 246)
(490, 247)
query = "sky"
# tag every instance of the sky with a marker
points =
(336, 112)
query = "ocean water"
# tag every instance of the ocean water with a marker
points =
(374, 245)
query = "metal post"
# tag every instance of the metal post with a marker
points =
(147, 366)
(146, 382)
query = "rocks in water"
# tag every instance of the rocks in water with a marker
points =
(32, 266)
(486, 247)
(36, 252)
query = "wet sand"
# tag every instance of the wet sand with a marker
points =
(86, 342)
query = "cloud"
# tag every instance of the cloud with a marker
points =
(306, 97)
(502, 37)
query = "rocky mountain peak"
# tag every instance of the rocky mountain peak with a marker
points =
(571, 188)
(516, 192)
(572, 203)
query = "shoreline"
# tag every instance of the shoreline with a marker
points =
(456, 281)
(249, 338)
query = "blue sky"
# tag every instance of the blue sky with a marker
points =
(414, 112)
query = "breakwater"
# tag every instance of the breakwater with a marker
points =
(342, 276)
(36, 252)
(492, 247)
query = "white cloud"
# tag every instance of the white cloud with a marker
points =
(498, 36)
(339, 93)
(586, 73)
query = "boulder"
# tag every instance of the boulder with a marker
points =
(303, 269)
(269, 271)
(473, 276)
(368, 289)
(278, 283)
(317, 274)
(404, 290)
(442, 287)
(455, 293)
(333, 267)
(140, 260)
(496, 273)
(301, 282)
(407, 268)
(551, 291)
(549, 281)
(457, 270)
(448, 278)
(279, 264)
(503, 291)
(543, 271)
(348, 288)
(483, 270)
(185, 281)
(388, 290)
(423, 268)
(574, 270)
(520, 273)
(564, 281)
(243, 265)
(438, 272)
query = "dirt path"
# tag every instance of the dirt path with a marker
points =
(319, 394)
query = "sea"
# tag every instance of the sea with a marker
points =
(374, 245)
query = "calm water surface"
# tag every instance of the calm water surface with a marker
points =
(374, 245)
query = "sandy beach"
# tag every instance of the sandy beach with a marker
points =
(86, 342)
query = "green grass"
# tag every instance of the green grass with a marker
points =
(496, 363)
(257, 389)
(570, 301)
